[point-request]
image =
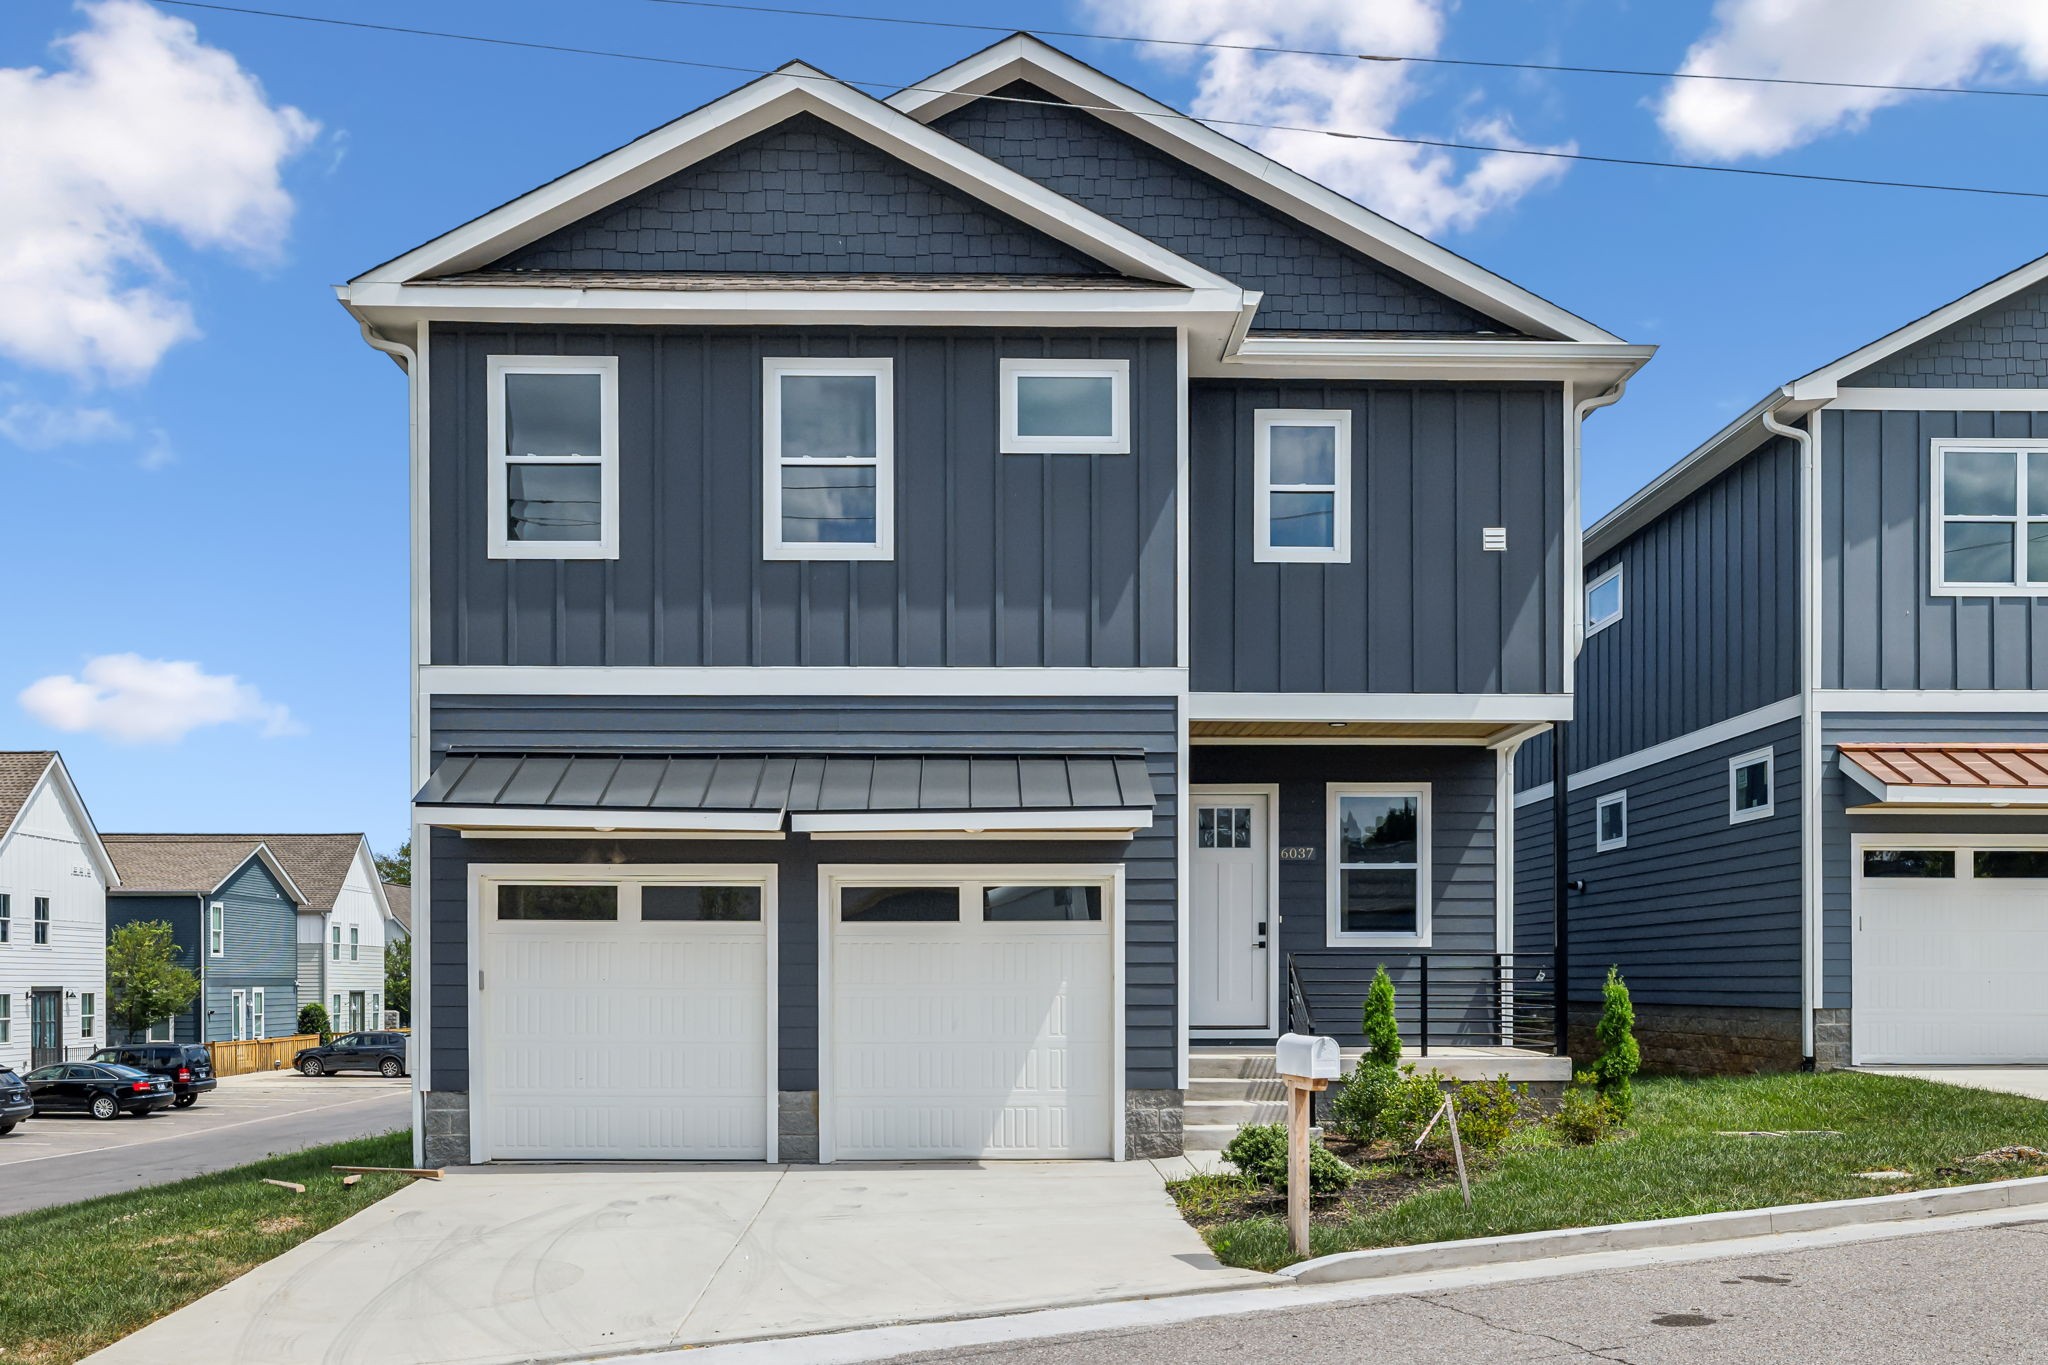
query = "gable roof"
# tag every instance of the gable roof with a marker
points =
(20, 774)
(311, 867)
(398, 903)
(25, 772)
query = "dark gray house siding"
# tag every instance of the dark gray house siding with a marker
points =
(1421, 607)
(1001, 560)
(182, 914)
(1311, 283)
(1882, 628)
(261, 952)
(823, 725)
(2002, 347)
(802, 197)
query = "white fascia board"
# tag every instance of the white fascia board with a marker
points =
(367, 861)
(976, 822)
(1823, 383)
(1023, 57)
(495, 680)
(56, 777)
(1999, 797)
(595, 821)
(1419, 707)
(1940, 400)
(1902, 700)
(1706, 737)
(759, 105)
(1272, 357)
(269, 860)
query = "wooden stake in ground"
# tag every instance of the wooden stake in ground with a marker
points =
(294, 1186)
(1450, 1110)
(348, 1180)
(1301, 1091)
(390, 1170)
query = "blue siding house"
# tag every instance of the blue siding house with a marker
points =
(935, 613)
(1807, 793)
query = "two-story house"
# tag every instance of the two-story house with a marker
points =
(1807, 791)
(54, 878)
(924, 610)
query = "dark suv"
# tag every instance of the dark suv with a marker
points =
(187, 1066)
(15, 1105)
(383, 1053)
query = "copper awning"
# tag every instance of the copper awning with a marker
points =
(1950, 774)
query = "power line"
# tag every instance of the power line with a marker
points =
(1276, 50)
(1441, 143)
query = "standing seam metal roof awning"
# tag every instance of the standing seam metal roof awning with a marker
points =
(1949, 774)
(818, 793)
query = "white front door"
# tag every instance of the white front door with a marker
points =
(1230, 929)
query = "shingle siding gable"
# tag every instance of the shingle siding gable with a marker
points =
(2004, 346)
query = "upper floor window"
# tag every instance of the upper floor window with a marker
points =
(355, 944)
(1610, 822)
(829, 438)
(554, 444)
(1991, 516)
(216, 929)
(6, 916)
(334, 946)
(1603, 601)
(1078, 407)
(1302, 467)
(42, 919)
(1749, 786)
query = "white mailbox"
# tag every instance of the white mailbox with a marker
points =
(1301, 1054)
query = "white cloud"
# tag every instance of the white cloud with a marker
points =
(134, 700)
(1421, 187)
(40, 426)
(145, 129)
(1885, 42)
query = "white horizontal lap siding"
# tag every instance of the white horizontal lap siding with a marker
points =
(355, 907)
(47, 856)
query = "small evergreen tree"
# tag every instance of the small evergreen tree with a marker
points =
(1619, 1057)
(313, 1017)
(1382, 1034)
(145, 984)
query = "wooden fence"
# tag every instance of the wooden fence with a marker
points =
(258, 1054)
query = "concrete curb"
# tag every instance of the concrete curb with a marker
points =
(1666, 1232)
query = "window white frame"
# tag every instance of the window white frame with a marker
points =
(40, 916)
(355, 943)
(501, 545)
(162, 1031)
(334, 943)
(2020, 586)
(88, 1015)
(1767, 757)
(1263, 549)
(882, 369)
(238, 1004)
(1601, 843)
(6, 917)
(1594, 625)
(6, 1017)
(1115, 441)
(216, 929)
(334, 1013)
(256, 1029)
(1334, 932)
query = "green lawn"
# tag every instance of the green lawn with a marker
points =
(1672, 1162)
(80, 1276)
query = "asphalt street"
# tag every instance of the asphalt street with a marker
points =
(60, 1158)
(1952, 1297)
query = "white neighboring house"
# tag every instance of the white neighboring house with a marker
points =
(398, 923)
(341, 925)
(54, 876)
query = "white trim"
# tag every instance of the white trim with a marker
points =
(237, 1004)
(1769, 758)
(1338, 422)
(56, 775)
(1504, 851)
(216, 928)
(1601, 843)
(262, 854)
(1334, 935)
(880, 369)
(790, 681)
(1812, 833)
(1182, 868)
(497, 509)
(1092, 822)
(1824, 382)
(497, 818)
(1342, 741)
(1109, 876)
(1421, 707)
(1182, 606)
(1692, 742)
(1529, 796)
(1116, 441)
(1937, 701)
(1269, 793)
(1996, 798)
(257, 1023)
(2017, 522)
(1940, 400)
(624, 875)
(1617, 577)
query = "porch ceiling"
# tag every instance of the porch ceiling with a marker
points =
(1479, 731)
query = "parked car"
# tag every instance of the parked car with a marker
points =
(15, 1105)
(187, 1066)
(97, 1088)
(383, 1053)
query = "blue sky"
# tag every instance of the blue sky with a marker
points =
(235, 497)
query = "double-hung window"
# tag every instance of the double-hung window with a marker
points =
(829, 457)
(216, 929)
(1991, 517)
(1066, 407)
(1302, 467)
(1749, 786)
(256, 1029)
(88, 1019)
(6, 917)
(6, 1017)
(334, 945)
(1379, 865)
(1603, 601)
(554, 456)
(1610, 822)
(42, 921)
(355, 944)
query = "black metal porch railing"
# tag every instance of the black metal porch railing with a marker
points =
(1450, 999)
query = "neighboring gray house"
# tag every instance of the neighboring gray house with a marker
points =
(1809, 769)
(929, 609)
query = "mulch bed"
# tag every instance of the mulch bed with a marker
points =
(1393, 1175)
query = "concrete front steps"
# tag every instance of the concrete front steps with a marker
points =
(1235, 1084)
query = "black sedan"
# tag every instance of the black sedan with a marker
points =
(95, 1088)
(15, 1105)
(383, 1053)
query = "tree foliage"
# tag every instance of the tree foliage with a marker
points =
(1382, 1034)
(396, 867)
(398, 978)
(313, 1018)
(1620, 1058)
(145, 984)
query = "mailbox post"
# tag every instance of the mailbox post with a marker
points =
(1306, 1064)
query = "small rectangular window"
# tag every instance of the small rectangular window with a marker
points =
(554, 902)
(689, 904)
(256, 1029)
(88, 1021)
(355, 944)
(899, 904)
(829, 438)
(334, 944)
(1018, 904)
(554, 457)
(1909, 862)
(6, 916)
(1991, 528)
(42, 920)
(1074, 407)
(1750, 781)
(1301, 510)
(1610, 822)
(1603, 601)
(1224, 827)
(6, 1017)
(2010, 862)
(216, 929)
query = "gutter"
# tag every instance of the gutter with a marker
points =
(1575, 558)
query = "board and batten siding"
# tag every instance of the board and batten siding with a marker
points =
(181, 912)
(1421, 606)
(47, 856)
(1001, 560)
(261, 950)
(1882, 627)
(826, 725)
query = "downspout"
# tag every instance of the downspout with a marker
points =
(1809, 723)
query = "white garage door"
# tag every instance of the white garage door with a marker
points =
(972, 1017)
(626, 1019)
(1951, 954)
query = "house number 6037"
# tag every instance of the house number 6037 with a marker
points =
(1297, 855)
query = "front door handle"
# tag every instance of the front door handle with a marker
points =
(1262, 935)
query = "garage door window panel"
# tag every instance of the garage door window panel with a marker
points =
(544, 901)
(899, 904)
(2005, 863)
(696, 904)
(1909, 862)
(1022, 904)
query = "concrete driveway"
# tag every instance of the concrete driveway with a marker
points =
(2031, 1081)
(557, 1262)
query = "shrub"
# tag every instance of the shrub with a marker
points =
(1360, 1099)
(1411, 1104)
(1584, 1116)
(1382, 1034)
(1487, 1111)
(1619, 1057)
(1260, 1151)
(313, 1018)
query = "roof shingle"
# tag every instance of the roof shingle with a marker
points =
(20, 770)
(193, 864)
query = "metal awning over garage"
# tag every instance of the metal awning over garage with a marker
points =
(846, 795)
(1948, 774)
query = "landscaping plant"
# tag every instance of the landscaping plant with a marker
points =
(313, 1017)
(145, 984)
(1619, 1058)
(1584, 1116)
(1259, 1151)
(1487, 1112)
(1360, 1099)
(1382, 1034)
